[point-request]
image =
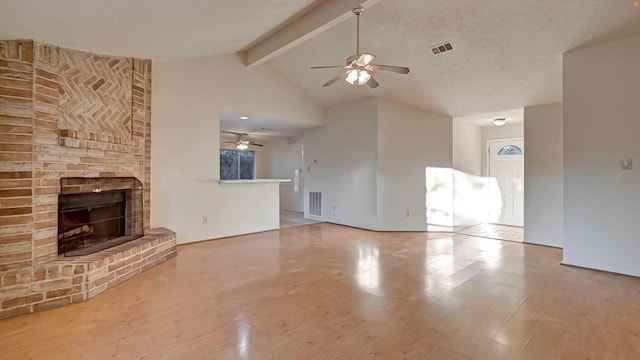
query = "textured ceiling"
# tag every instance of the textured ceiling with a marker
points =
(508, 52)
(157, 29)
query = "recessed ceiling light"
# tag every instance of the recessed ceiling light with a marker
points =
(499, 121)
(244, 117)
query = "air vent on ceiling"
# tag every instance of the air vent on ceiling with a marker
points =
(442, 48)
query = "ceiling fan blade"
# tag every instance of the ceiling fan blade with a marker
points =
(254, 144)
(372, 83)
(332, 81)
(328, 67)
(395, 69)
(365, 59)
(233, 133)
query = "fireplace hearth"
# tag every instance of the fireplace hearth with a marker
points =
(95, 214)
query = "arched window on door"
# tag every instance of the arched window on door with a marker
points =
(510, 150)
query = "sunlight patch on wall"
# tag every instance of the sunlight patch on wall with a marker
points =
(439, 197)
(456, 199)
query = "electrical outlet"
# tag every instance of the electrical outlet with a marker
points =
(205, 220)
(334, 208)
(626, 164)
(408, 213)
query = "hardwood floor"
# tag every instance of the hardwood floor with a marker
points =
(329, 292)
(495, 231)
(290, 219)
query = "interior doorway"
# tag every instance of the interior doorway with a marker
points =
(506, 176)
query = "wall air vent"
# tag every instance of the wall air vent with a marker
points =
(315, 204)
(442, 48)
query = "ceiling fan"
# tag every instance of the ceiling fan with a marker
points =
(359, 67)
(242, 141)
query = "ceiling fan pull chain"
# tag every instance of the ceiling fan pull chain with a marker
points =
(357, 31)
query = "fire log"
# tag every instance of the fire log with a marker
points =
(84, 230)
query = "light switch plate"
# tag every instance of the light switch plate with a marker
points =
(626, 164)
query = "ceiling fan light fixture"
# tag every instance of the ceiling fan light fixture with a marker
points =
(242, 145)
(358, 77)
(359, 67)
(499, 121)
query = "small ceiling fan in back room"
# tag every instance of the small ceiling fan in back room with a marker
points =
(242, 140)
(359, 67)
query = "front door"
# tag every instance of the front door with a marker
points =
(506, 174)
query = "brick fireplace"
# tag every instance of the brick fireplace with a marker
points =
(73, 124)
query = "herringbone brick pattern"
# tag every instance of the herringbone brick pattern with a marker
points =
(96, 93)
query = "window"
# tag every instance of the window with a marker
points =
(510, 150)
(237, 164)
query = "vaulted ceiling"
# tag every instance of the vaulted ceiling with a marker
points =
(508, 53)
(157, 29)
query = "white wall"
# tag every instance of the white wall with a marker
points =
(467, 148)
(601, 127)
(342, 159)
(502, 132)
(471, 199)
(543, 176)
(469, 190)
(499, 132)
(371, 163)
(285, 159)
(188, 98)
(409, 140)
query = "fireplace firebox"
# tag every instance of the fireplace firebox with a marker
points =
(95, 214)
